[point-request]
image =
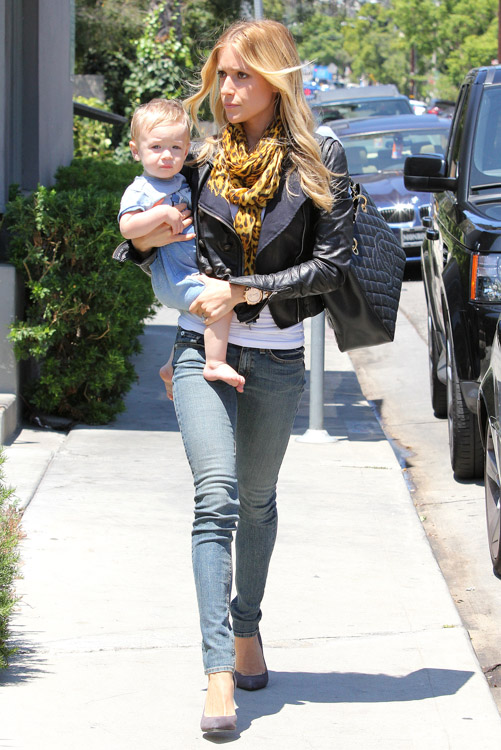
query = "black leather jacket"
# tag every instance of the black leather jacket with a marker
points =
(303, 252)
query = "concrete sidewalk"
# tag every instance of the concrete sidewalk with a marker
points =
(363, 641)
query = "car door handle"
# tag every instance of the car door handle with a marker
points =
(432, 234)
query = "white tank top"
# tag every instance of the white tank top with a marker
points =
(263, 333)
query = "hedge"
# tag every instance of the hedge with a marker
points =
(84, 312)
(10, 536)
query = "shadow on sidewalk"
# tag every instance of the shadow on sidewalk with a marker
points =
(298, 688)
(28, 663)
(346, 412)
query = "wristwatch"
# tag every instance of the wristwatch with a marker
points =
(252, 295)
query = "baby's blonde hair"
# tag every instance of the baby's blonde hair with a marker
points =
(157, 112)
(268, 48)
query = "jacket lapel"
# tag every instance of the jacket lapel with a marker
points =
(215, 204)
(279, 212)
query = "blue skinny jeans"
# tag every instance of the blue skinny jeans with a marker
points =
(235, 444)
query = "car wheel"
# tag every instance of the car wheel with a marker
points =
(465, 444)
(437, 389)
(492, 500)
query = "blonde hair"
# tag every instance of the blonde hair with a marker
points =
(155, 113)
(268, 48)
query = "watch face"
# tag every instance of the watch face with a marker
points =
(253, 296)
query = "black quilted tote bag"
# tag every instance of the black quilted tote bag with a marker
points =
(363, 311)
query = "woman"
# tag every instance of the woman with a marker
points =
(273, 220)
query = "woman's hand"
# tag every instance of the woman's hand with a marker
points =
(217, 299)
(163, 234)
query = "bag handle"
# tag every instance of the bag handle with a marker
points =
(358, 198)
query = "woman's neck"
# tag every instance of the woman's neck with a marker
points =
(254, 132)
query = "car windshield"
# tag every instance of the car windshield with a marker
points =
(387, 152)
(485, 170)
(371, 108)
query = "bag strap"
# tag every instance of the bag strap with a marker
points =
(359, 200)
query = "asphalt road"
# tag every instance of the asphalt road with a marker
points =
(394, 378)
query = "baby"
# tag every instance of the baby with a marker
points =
(160, 140)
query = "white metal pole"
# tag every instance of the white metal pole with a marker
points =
(315, 432)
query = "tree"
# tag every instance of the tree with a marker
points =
(321, 41)
(203, 21)
(376, 48)
(104, 34)
(466, 38)
(160, 64)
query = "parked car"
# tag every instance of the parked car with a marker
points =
(360, 101)
(489, 413)
(376, 150)
(461, 260)
(441, 107)
(310, 89)
(419, 108)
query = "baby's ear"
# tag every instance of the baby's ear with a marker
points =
(134, 151)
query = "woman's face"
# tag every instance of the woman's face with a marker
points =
(246, 96)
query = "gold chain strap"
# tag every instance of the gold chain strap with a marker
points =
(358, 199)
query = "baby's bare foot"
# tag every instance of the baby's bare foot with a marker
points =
(223, 371)
(166, 372)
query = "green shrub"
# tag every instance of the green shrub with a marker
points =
(160, 67)
(92, 174)
(91, 137)
(10, 535)
(84, 311)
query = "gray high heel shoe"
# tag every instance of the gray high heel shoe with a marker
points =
(253, 681)
(219, 723)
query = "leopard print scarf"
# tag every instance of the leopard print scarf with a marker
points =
(248, 180)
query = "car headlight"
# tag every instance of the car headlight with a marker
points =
(485, 285)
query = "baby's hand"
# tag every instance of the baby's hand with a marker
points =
(173, 218)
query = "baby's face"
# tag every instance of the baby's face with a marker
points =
(162, 150)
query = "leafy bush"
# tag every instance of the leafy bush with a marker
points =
(160, 66)
(84, 311)
(10, 535)
(93, 174)
(91, 137)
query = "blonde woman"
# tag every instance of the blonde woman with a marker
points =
(273, 220)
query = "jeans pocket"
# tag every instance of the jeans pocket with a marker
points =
(287, 356)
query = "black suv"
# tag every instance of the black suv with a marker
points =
(461, 260)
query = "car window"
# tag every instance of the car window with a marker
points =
(485, 169)
(380, 108)
(457, 130)
(387, 152)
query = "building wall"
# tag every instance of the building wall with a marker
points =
(36, 123)
(55, 87)
(36, 137)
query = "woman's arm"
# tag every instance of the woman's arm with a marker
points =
(218, 298)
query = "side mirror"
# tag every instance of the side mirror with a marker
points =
(426, 173)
